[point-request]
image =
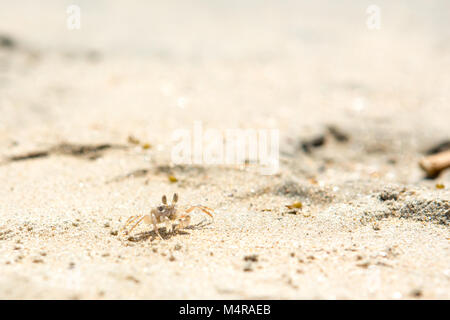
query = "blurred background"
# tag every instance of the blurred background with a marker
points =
(153, 66)
(86, 125)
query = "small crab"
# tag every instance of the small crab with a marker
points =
(167, 214)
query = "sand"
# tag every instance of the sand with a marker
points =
(370, 226)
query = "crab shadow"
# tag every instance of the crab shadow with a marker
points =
(152, 235)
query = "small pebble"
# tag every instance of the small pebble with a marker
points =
(364, 265)
(133, 140)
(416, 293)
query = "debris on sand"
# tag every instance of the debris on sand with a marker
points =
(250, 260)
(337, 133)
(388, 195)
(133, 140)
(363, 265)
(295, 205)
(28, 156)
(87, 151)
(80, 150)
(248, 267)
(434, 164)
(440, 147)
(308, 145)
(132, 279)
(332, 131)
(416, 293)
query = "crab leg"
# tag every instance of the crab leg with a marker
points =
(202, 208)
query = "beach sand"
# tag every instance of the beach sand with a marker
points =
(356, 109)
